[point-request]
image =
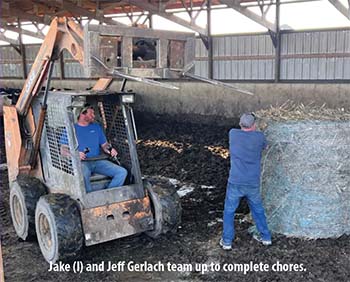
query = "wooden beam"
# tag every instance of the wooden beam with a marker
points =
(69, 6)
(77, 10)
(244, 11)
(23, 52)
(18, 13)
(154, 10)
(341, 8)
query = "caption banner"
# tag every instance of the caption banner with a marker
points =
(122, 266)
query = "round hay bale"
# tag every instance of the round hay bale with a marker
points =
(306, 174)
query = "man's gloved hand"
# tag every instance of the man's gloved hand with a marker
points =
(113, 153)
(82, 155)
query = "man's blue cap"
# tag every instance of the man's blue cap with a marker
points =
(247, 120)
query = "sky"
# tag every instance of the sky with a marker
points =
(297, 16)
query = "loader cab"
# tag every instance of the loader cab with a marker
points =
(55, 207)
(63, 171)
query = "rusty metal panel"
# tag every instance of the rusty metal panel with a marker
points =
(127, 51)
(164, 55)
(176, 53)
(13, 141)
(109, 222)
(109, 49)
(93, 42)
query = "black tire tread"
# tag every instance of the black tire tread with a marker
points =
(32, 189)
(170, 202)
(68, 225)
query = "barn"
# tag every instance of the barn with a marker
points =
(167, 82)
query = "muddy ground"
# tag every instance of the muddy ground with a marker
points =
(196, 156)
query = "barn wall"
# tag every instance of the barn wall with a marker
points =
(195, 98)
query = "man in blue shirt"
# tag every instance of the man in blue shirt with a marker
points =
(91, 140)
(246, 146)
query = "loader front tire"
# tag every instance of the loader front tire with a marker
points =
(165, 204)
(58, 227)
(25, 192)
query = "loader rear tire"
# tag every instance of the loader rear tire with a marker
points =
(166, 206)
(25, 192)
(58, 227)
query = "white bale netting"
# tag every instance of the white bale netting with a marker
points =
(306, 172)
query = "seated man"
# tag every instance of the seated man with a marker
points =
(91, 138)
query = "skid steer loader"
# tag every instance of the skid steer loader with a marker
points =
(48, 198)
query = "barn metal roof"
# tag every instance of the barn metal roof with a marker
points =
(15, 12)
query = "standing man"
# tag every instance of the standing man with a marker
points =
(246, 146)
(91, 139)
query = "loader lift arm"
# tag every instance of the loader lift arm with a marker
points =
(64, 33)
(24, 132)
(25, 136)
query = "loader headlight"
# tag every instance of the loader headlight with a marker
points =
(128, 98)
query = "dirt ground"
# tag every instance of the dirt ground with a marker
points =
(197, 157)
